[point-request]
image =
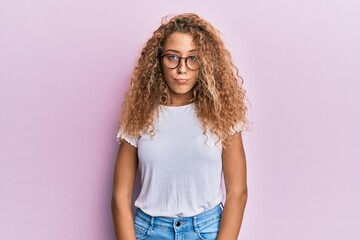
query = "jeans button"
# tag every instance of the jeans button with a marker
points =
(178, 224)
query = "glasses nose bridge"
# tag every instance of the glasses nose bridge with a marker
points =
(180, 62)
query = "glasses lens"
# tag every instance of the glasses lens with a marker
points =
(193, 63)
(170, 61)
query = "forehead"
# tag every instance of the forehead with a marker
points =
(181, 42)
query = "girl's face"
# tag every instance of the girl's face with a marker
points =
(180, 67)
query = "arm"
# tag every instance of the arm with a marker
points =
(124, 177)
(234, 168)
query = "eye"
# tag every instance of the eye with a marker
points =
(172, 57)
(192, 58)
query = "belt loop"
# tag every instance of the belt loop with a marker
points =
(151, 223)
(195, 225)
(222, 206)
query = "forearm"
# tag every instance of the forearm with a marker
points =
(123, 218)
(232, 216)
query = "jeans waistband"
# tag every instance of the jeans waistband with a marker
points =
(196, 221)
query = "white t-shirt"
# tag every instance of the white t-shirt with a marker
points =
(180, 166)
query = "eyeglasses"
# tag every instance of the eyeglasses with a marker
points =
(172, 61)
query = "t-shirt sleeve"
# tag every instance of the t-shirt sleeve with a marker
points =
(129, 139)
(238, 127)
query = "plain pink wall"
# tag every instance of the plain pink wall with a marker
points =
(64, 67)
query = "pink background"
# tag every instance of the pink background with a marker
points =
(64, 67)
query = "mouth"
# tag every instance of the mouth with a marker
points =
(181, 80)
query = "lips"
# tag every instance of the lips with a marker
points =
(181, 80)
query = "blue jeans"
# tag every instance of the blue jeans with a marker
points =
(203, 226)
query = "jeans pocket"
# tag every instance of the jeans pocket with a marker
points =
(142, 228)
(141, 232)
(209, 231)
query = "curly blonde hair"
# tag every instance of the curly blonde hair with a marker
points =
(218, 94)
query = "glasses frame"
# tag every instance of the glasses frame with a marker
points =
(178, 64)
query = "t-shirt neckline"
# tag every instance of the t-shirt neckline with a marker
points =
(178, 107)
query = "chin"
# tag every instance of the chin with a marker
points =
(182, 92)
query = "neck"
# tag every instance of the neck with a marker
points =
(179, 100)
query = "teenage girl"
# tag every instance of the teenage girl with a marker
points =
(181, 125)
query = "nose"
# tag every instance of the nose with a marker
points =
(182, 66)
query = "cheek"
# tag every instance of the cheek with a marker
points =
(166, 75)
(196, 74)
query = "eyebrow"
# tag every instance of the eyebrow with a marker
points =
(172, 50)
